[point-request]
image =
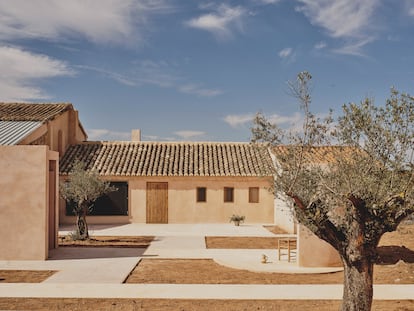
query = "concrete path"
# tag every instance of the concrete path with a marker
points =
(104, 269)
(195, 291)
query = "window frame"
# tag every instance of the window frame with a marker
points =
(226, 192)
(201, 198)
(254, 194)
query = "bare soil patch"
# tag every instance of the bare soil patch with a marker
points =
(108, 241)
(24, 276)
(80, 304)
(275, 229)
(207, 271)
(226, 242)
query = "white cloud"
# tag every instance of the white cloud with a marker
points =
(106, 134)
(285, 120)
(320, 45)
(189, 134)
(99, 21)
(351, 20)
(341, 18)
(199, 91)
(286, 52)
(239, 120)
(244, 119)
(354, 47)
(222, 22)
(160, 74)
(21, 70)
(269, 1)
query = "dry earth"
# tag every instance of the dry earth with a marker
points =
(395, 265)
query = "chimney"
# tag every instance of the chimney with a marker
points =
(136, 135)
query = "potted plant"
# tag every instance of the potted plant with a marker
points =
(237, 219)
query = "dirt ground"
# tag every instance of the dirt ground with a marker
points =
(24, 276)
(105, 241)
(395, 265)
(76, 304)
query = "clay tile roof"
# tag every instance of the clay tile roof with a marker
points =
(170, 159)
(31, 112)
(319, 154)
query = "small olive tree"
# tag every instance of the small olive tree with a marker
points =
(367, 190)
(82, 189)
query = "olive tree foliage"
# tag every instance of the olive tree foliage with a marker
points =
(82, 188)
(367, 190)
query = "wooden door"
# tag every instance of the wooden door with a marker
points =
(157, 203)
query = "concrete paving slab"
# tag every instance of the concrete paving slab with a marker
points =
(84, 264)
(176, 230)
(196, 291)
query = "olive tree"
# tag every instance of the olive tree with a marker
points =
(82, 188)
(352, 200)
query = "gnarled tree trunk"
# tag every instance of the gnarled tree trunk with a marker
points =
(82, 225)
(358, 285)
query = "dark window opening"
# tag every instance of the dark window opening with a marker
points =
(228, 194)
(112, 204)
(254, 195)
(201, 194)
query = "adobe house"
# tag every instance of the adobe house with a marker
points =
(32, 136)
(181, 182)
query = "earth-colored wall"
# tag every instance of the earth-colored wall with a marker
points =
(67, 124)
(314, 252)
(182, 205)
(24, 202)
(284, 218)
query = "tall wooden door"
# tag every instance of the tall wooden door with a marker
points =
(157, 203)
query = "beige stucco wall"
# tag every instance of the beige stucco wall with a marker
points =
(182, 205)
(67, 123)
(24, 200)
(284, 218)
(314, 252)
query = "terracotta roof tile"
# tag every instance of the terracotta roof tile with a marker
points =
(319, 154)
(31, 112)
(170, 159)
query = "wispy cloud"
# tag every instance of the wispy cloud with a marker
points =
(238, 120)
(268, 1)
(106, 134)
(354, 47)
(199, 90)
(188, 135)
(98, 21)
(160, 74)
(320, 45)
(346, 19)
(221, 22)
(286, 52)
(287, 55)
(21, 71)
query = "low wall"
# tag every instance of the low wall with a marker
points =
(314, 252)
(24, 202)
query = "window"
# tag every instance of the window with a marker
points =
(113, 203)
(228, 194)
(201, 194)
(253, 194)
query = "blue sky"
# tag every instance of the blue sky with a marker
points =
(200, 70)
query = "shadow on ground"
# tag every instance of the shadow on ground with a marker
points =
(67, 253)
(390, 255)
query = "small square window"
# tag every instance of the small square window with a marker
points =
(253, 194)
(228, 194)
(201, 194)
